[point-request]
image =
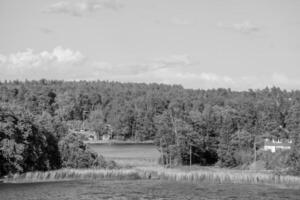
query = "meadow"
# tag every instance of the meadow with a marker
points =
(128, 154)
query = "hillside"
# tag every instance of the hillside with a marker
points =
(188, 126)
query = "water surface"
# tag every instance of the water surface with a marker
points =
(140, 189)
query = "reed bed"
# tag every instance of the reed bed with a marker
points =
(77, 174)
(205, 175)
(223, 176)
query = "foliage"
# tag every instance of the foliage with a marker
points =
(189, 126)
(75, 154)
(24, 145)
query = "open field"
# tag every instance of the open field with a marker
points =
(129, 154)
(142, 190)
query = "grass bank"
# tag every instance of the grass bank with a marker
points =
(222, 176)
(203, 175)
(77, 174)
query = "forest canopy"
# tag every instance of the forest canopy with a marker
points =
(216, 126)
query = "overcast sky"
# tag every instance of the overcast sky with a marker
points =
(239, 44)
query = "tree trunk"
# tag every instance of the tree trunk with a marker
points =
(254, 152)
(190, 156)
(162, 152)
(178, 156)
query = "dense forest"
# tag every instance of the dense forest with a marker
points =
(206, 127)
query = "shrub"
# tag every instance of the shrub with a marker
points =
(24, 145)
(243, 157)
(293, 161)
(76, 154)
(274, 161)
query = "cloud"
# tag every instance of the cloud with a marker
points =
(173, 69)
(215, 78)
(67, 64)
(58, 55)
(56, 64)
(245, 27)
(172, 61)
(81, 7)
(178, 60)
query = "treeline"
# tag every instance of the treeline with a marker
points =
(31, 143)
(189, 126)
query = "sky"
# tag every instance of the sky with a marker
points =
(238, 44)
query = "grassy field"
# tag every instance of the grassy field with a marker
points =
(129, 154)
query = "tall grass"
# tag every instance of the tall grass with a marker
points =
(204, 175)
(222, 176)
(77, 174)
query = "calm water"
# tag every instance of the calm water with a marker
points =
(140, 189)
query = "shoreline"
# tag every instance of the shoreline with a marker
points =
(160, 173)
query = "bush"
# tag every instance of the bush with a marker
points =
(294, 161)
(274, 161)
(24, 145)
(76, 154)
(243, 157)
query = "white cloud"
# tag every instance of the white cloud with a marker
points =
(67, 64)
(172, 61)
(58, 63)
(215, 78)
(66, 55)
(29, 58)
(173, 69)
(81, 7)
(245, 27)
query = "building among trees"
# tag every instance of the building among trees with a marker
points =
(273, 145)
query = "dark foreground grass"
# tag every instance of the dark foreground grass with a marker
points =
(141, 189)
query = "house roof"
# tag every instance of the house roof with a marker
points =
(284, 144)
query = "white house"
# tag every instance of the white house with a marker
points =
(273, 145)
(106, 137)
